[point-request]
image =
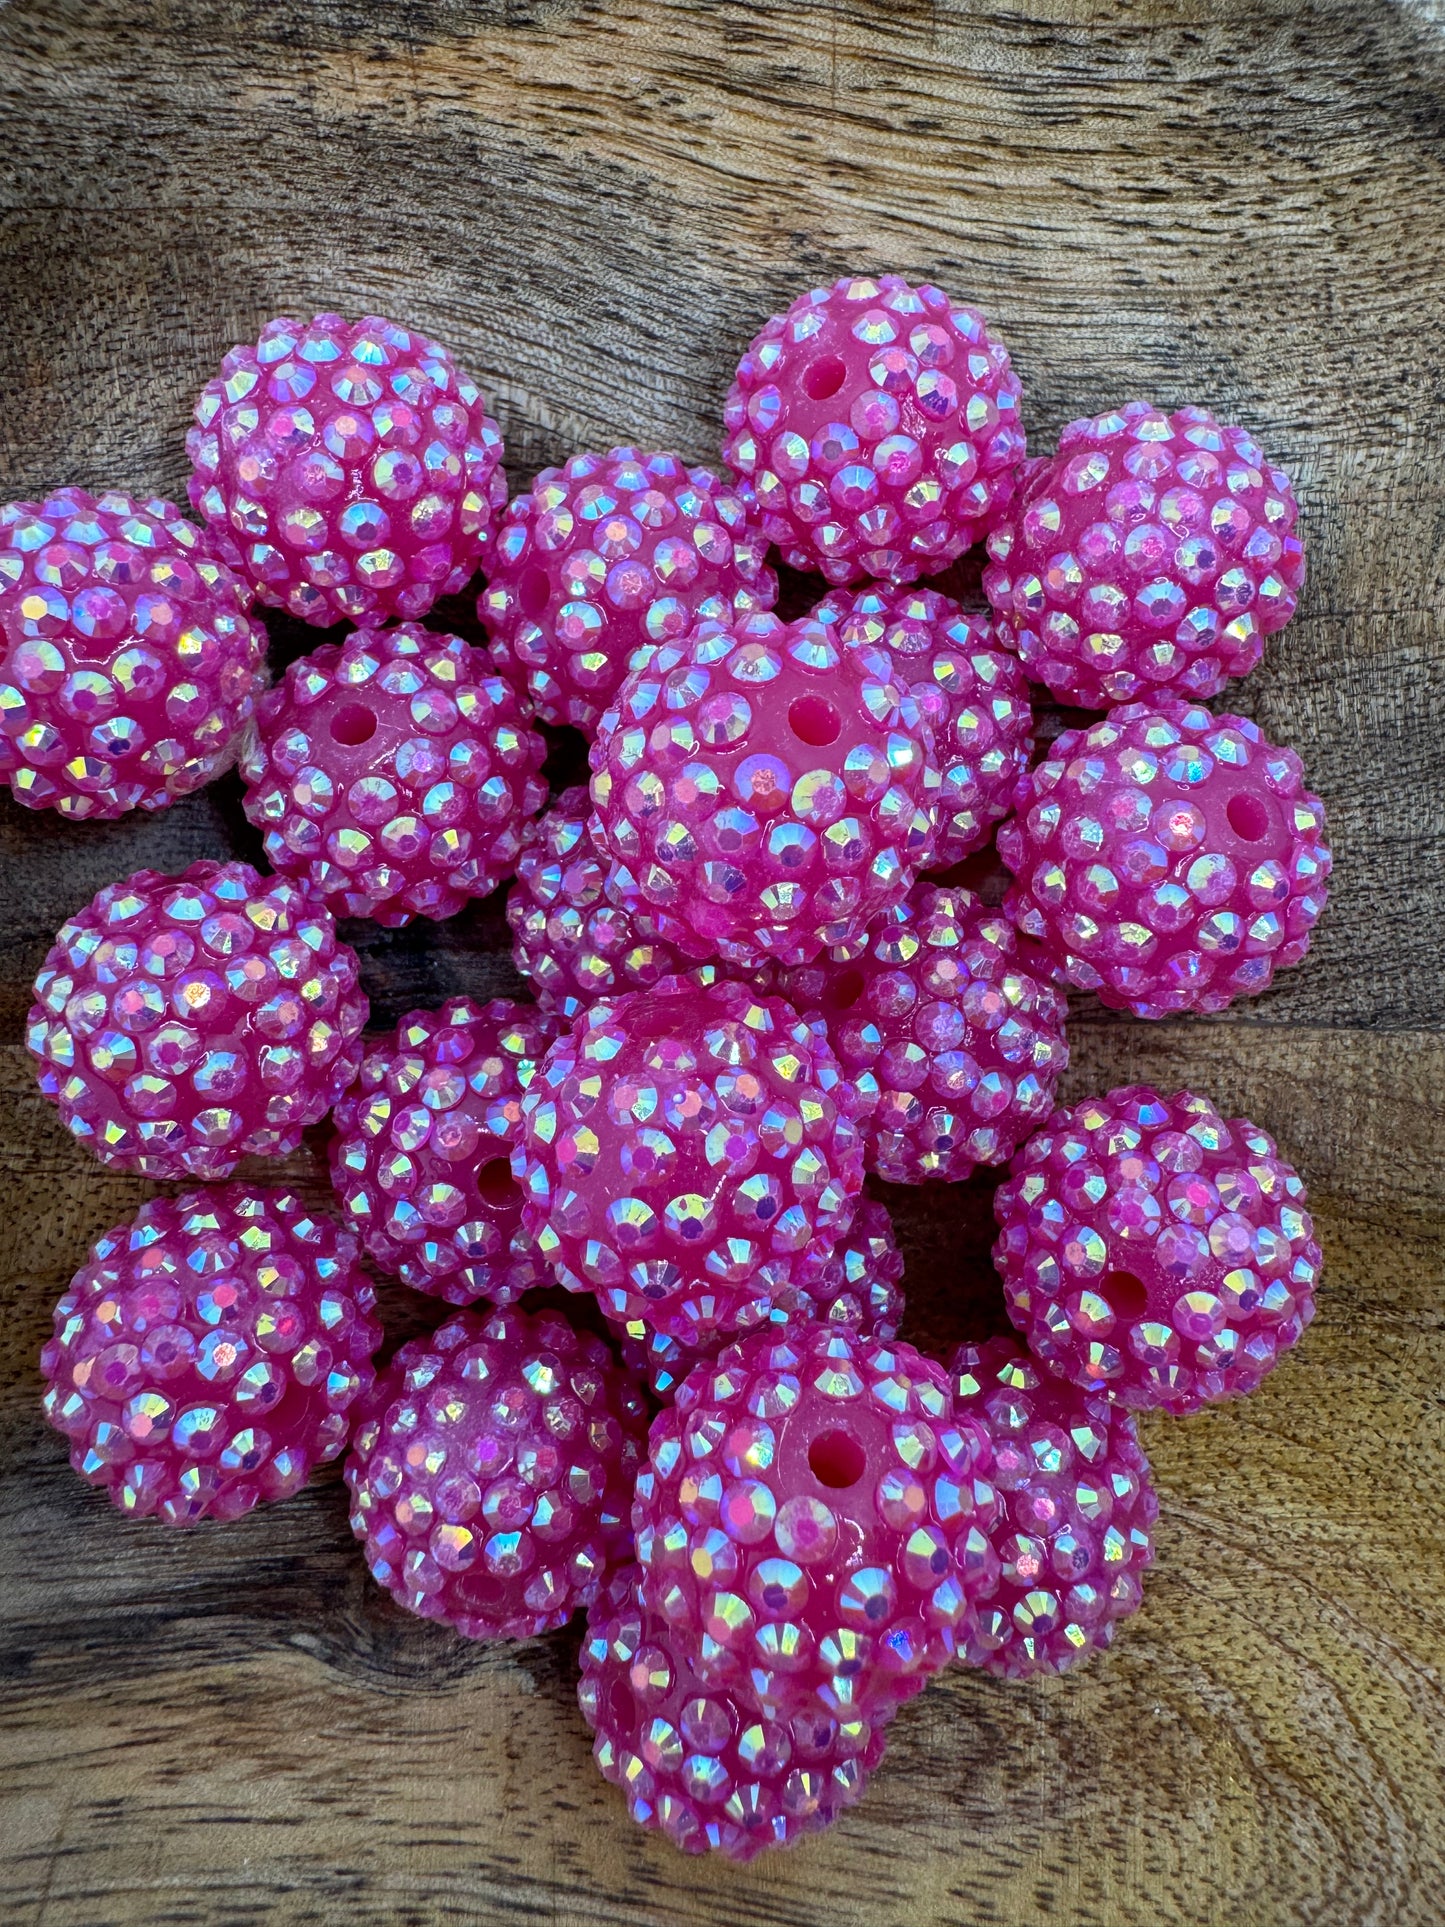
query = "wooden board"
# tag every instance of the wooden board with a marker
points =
(1238, 201)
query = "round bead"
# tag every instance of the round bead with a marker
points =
(1154, 1251)
(395, 773)
(182, 1023)
(876, 427)
(128, 661)
(1153, 554)
(209, 1354)
(491, 1472)
(347, 469)
(1167, 858)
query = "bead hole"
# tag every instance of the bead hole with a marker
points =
(534, 592)
(1248, 817)
(824, 377)
(1127, 1295)
(353, 725)
(814, 721)
(495, 1184)
(842, 991)
(836, 1459)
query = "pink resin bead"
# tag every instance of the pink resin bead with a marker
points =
(128, 662)
(421, 1159)
(812, 1523)
(1153, 554)
(972, 693)
(491, 1472)
(209, 1355)
(1153, 1251)
(765, 790)
(877, 427)
(1076, 1514)
(696, 1762)
(182, 1023)
(607, 555)
(347, 469)
(1167, 858)
(949, 1030)
(395, 772)
(568, 938)
(689, 1150)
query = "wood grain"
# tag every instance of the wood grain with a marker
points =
(1240, 201)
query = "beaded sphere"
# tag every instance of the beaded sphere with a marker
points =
(395, 773)
(128, 662)
(1154, 1251)
(421, 1159)
(182, 1023)
(972, 693)
(697, 1762)
(568, 938)
(876, 426)
(491, 1471)
(1167, 858)
(609, 554)
(347, 469)
(855, 1289)
(1076, 1513)
(812, 1522)
(1154, 553)
(689, 1150)
(764, 790)
(949, 1030)
(209, 1354)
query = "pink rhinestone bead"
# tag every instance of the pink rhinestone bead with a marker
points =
(609, 554)
(208, 1356)
(347, 469)
(696, 1762)
(764, 790)
(972, 692)
(394, 772)
(568, 938)
(876, 425)
(1151, 1250)
(128, 661)
(812, 1523)
(182, 1023)
(421, 1159)
(1076, 1515)
(1153, 554)
(689, 1149)
(491, 1471)
(1167, 858)
(949, 1030)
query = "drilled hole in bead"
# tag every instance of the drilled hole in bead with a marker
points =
(814, 721)
(824, 377)
(836, 1459)
(841, 991)
(353, 725)
(1127, 1295)
(534, 592)
(1248, 817)
(496, 1186)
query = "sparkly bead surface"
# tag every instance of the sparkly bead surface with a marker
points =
(1154, 1251)
(347, 469)
(876, 426)
(812, 1523)
(688, 1150)
(568, 938)
(1154, 553)
(1167, 858)
(128, 661)
(972, 692)
(491, 1471)
(182, 1023)
(395, 773)
(1076, 1512)
(608, 554)
(421, 1159)
(764, 790)
(949, 1030)
(210, 1354)
(696, 1762)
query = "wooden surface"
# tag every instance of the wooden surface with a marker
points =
(1220, 200)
